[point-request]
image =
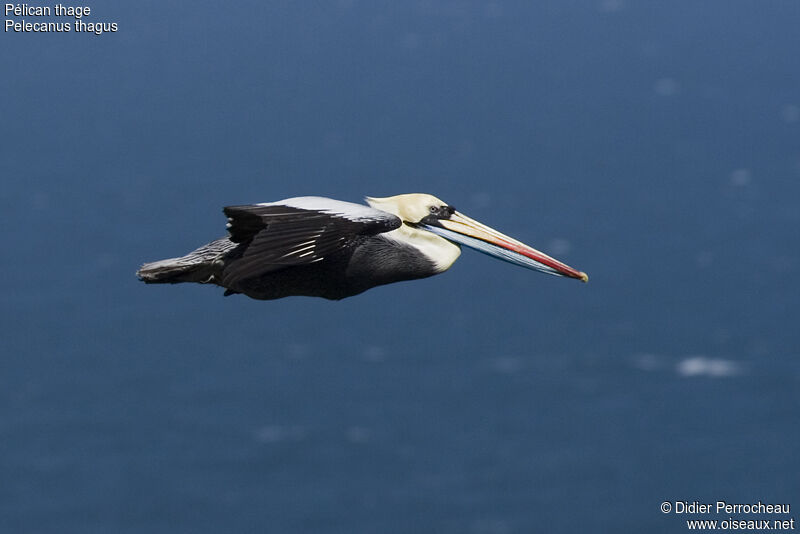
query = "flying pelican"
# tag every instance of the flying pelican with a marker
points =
(320, 247)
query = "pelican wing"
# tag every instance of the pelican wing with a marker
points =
(297, 231)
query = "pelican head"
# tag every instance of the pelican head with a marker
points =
(428, 213)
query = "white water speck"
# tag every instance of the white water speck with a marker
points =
(297, 351)
(704, 259)
(610, 6)
(741, 177)
(704, 366)
(277, 433)
(373, 353)
(666, 87)
(507, 364)
(648, 362)
(790, 113)
(357, 434)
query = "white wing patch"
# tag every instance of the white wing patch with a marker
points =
(337, 208)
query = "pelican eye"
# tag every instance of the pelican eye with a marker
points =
(443, 212)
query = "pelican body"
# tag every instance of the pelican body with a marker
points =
(320, 247)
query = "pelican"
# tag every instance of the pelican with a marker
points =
(320, 247)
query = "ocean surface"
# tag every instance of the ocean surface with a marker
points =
(654, 145)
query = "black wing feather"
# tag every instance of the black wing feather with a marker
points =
(277, 236)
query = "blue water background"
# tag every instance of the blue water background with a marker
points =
(655, 145)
